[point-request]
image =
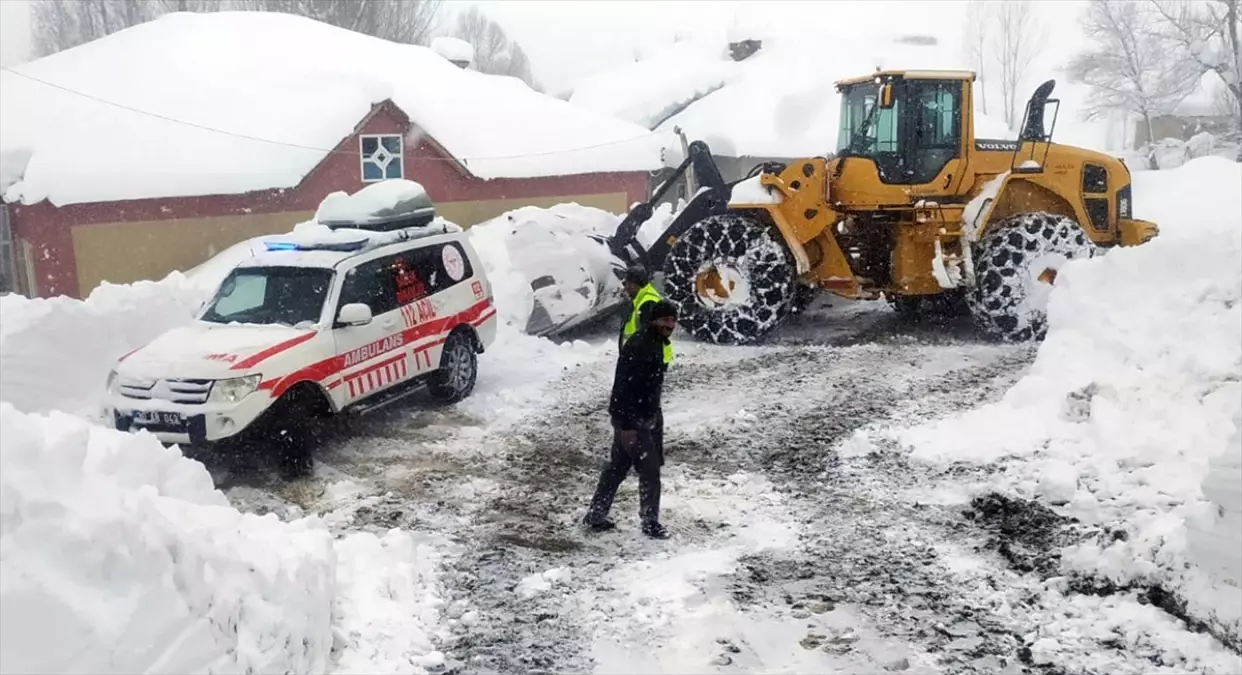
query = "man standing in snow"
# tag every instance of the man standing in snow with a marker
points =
(637, 285)
(635, 410)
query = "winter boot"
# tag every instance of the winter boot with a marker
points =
(655, 530)
(602, 525)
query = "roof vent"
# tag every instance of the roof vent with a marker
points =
(458, 52)
(744, 49)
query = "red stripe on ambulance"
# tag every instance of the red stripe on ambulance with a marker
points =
(258, 357)
(322, 370)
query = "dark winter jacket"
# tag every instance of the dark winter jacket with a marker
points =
(639, 379)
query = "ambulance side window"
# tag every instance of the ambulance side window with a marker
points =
(371, 284)
(442, 266)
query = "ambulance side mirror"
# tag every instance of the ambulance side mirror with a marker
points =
(354, 314)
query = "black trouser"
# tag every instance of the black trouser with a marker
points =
(646, 456)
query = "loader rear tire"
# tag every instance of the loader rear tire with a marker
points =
(1016, 263)
(731, 278)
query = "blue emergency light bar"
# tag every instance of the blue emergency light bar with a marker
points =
(353, 245)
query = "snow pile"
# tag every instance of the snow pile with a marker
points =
(1136, 388)
(516, 369)
(1212, 540)
(388, 603)
(1171, 153)
(647, 91)
(543, 582)
(240, 122)
(119, 556)
(554, 250)
(970, 215)
(776, 103)
(55, 353)
(752, 191)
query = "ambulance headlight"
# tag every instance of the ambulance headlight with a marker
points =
(234, 389)
(110, 387)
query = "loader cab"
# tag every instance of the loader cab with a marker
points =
(910, 125)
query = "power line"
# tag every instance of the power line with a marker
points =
(326, 151)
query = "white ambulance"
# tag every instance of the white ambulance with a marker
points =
(336, 318)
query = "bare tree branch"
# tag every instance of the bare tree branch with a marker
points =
(494, 52)
(406, 21)
(1208, 33)
(1019, 39)
(1129, 70)
(979, 28)
(61, 24)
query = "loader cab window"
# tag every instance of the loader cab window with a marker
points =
(866, 130)
(935, 122)
(911, 142)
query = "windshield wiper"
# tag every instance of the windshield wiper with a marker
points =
(861, 132)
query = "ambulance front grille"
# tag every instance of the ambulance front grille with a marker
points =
(175, 390)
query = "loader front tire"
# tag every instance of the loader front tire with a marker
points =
(1016, 264)
(731, 278)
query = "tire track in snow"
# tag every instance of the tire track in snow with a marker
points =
(554, 598)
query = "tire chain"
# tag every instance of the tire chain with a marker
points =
(749, 246)
(1001, 263)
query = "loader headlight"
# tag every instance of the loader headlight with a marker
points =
(234, 389)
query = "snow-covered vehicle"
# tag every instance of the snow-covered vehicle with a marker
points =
(349, 314)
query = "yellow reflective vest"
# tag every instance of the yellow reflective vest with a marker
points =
(645, 295)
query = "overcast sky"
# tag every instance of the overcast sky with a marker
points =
(567, 40)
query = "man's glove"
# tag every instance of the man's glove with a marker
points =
(628, 438)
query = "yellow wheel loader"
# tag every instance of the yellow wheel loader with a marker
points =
(911, 206)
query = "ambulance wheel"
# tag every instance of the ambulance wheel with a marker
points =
(458, 371)
(731, 278)
(1016, 265)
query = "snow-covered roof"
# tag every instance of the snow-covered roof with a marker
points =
(287, 89)
(780, 102)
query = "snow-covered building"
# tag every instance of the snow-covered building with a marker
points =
(1208, 108)
(760, 96)
(151, 149)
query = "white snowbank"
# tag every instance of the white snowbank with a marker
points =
(388, 603)
(1135, 389)
(55, 353)
(751, 191)
(298, 86)
(776, 103)
(119, 556)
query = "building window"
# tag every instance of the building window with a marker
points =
(381, 157)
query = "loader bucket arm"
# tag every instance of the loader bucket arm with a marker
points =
(713, 188)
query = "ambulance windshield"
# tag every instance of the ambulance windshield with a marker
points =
(270, 295)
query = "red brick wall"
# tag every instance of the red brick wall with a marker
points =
(49, 229)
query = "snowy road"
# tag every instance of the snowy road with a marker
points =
(795, 549)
